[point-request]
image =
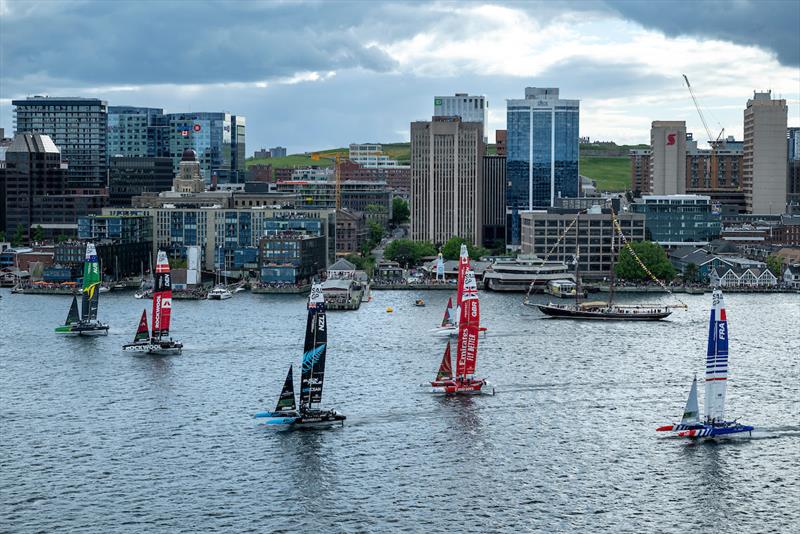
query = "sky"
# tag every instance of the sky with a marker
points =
(318, 74)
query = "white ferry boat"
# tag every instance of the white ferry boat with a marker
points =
(517, 274)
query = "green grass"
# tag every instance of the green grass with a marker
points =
(611, 173)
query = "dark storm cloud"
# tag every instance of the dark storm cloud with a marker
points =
(770, 24)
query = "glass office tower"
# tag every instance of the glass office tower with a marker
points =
(542, 161)
(137, 132)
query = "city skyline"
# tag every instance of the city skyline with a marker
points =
(318, 75)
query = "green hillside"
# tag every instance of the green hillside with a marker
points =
(610, 173)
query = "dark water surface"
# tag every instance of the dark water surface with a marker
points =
(96, 440)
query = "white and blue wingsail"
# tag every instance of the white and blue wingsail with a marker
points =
(716, 360)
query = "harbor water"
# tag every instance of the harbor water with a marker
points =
(96, 440)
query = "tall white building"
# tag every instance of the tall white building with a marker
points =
(765, 154)
(668, 157)
(469, 108)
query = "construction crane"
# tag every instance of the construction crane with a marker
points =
(714, 143)
(338, 158)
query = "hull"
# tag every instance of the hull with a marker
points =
(603, 314)
(163, 348)
(713, 431)
(475, 386)
(219, 296)
(83, 329)
(445, 331)
(316, 419)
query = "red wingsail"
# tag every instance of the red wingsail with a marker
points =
(141, 332)
(162, 297)
(447, 320)
(468, 328)
(445, 368)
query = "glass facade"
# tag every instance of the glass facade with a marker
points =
(217, 138)
(542, 153)
(139, 132)
(679, 219)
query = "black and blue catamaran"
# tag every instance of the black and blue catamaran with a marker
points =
(287, 415)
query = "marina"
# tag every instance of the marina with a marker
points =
(555, 419)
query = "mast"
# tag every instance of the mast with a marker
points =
(613, 259)
(468, 328)
(312, 376)
(162, 297)
(91, 284)
(577, 264)
(716, 360)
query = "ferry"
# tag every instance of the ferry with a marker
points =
(524, 272)
(561, 288)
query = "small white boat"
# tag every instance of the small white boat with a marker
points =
(239, 289)
(220, 292)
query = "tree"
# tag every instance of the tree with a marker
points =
(774, 264)
(400, 211)
(2, 235)
(452, 249)
(375, 233)
(652, 255)
(690, 273)
(60, 238)
(38, 233)
(407, 252)
(19, 236)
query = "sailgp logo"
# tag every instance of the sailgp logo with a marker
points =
(311, 357)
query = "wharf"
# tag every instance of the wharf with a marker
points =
(416, 287)
(290, 290)
(46, 290)
(690, 290)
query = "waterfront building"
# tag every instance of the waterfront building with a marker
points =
(793, 170)
(212, 227)
(791, 276)
(542, 161)
(216, 138)
(446, 180)
(493, 203)
(500, 140)
(765, 154)
(291, 257)
(672, 220)
(36, 189)
(470, 108)
(668, 157)
(133, 176)
(77, 126)
(753, 277)
(351, 231)
(640, 170)
(544, 234)
(137, 132)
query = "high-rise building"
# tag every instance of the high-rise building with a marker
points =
(137, 132)
(728, 160)
(501, 142)
(494, 201)
(218, 140)
(765, 154)
(469, 108)
(793, 170)
(542, 161)
(133, 176)
(668, 157)
(77, 126)
(446, 180)
(640, 170)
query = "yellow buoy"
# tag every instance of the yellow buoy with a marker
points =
(389, 309)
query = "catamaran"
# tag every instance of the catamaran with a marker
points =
(85, 323)
(464, 381)
(159, 341)
(714, 423)
(286, 414)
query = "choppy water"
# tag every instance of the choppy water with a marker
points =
(95, 440)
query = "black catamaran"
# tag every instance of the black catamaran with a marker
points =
(286, 414)
(85, 323)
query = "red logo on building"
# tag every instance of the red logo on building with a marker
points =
(671, 139)
(197, 128)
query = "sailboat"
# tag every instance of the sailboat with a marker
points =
(159, 341)
(449, 326)
(714, 423)
(287, 415)
(464, 381)
(85, 323)
(220, 290)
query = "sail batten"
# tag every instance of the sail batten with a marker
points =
(312, 374)
(716, 360)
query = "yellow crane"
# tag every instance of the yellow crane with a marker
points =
(714, 143)
(338, 158)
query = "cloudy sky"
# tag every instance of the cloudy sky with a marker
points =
(320, 74)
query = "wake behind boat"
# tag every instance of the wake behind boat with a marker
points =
(714, 423)
(84, 322)
(286, 415)
(159, 342)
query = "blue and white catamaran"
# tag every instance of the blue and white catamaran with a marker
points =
(713, 424)
(287, 415)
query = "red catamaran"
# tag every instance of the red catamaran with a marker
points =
(159, 342)
(464, 381)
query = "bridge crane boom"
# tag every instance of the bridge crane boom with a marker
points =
(714, 143)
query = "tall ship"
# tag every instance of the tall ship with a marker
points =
(288, 415)
(85, 322)
(524, 273)
(463, 380)
(159, 340)
(713, 423)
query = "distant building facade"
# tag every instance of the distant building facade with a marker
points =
(133, 176)
(765, 154)
(640, 170)
(501, 142)
(672, 220)
(471, 108)
(446, 180)
(668, 157)
(351, 231)
(542, 161)
(77, 126)
(793, 170)
(216, 138)
(290, 257)
(494, 201)
(137, 132)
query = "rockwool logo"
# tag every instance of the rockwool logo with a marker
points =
(671, 139)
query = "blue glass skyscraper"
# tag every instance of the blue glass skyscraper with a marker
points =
(542, 162)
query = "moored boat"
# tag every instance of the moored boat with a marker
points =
(159, 342)
(713, 424)
(85, 322)
(287, 415)
(220, 292)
